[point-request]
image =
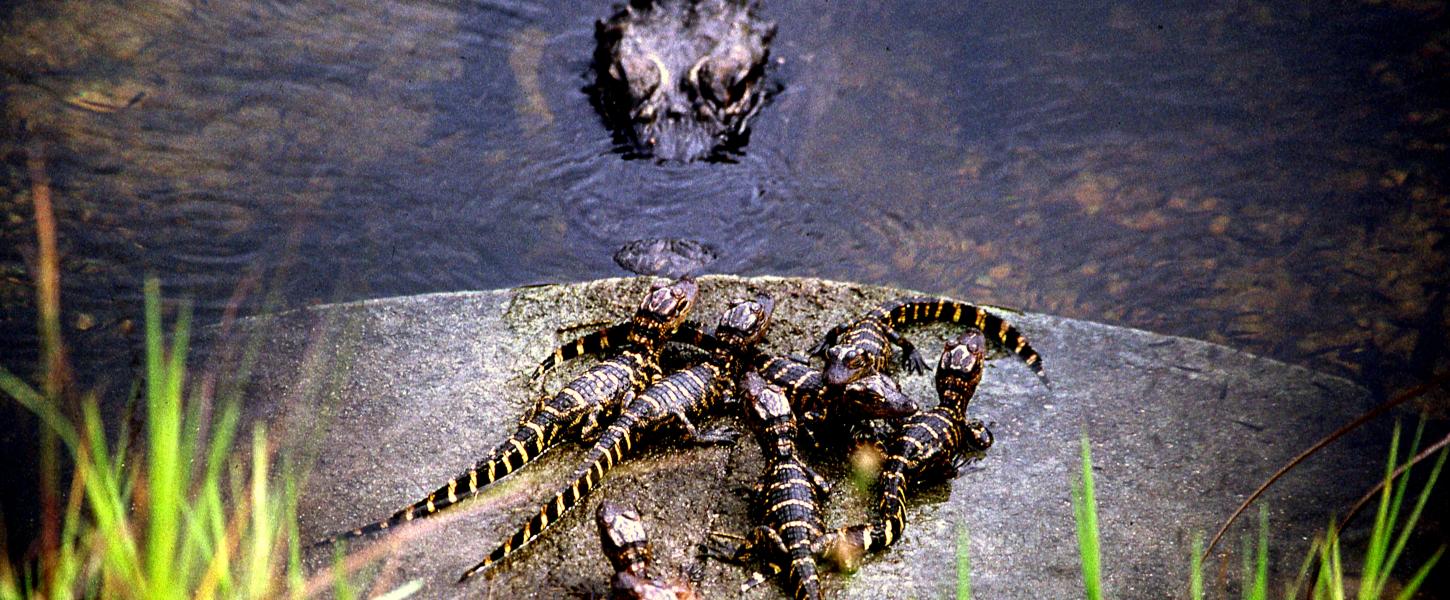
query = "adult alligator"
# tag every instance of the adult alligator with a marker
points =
(679, 80)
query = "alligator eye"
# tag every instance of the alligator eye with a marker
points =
(725, 79)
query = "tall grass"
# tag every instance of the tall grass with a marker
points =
(1387, 540)
(190, 513)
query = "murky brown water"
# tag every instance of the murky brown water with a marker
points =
(1267, 176)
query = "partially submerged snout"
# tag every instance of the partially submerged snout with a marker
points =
(681, 80)
(674, 138)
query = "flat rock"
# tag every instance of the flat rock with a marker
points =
(384, 400)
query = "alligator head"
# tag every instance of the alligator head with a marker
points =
(680, 79)
(960, 368)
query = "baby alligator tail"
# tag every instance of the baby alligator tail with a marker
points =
(908, 311)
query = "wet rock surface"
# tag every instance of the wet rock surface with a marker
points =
(387, 399)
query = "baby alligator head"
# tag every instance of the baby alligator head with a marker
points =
(960, 369)
(743, 325)
(876, 396)
(664, 309)
(680, 79)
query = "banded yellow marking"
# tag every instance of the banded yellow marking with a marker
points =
(788, 483)
(452, 487)
(798, 523)
(792, 502)
(472, 480)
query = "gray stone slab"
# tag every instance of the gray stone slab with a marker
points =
(386, 399)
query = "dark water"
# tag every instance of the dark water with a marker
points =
(1267, 175)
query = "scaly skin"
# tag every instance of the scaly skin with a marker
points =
(864, 346)
(933, 443)
(573, 412)
(626, 544)
(876, 396)
(789, 495)
(676, 399)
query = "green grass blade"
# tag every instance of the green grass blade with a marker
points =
(109, 507)
(296, 581)
(1424, 496)
(258, 570)
(1260, 589)
(1419, 578)
(164, 483)
(341, 587)
(1378, 536)
(1303, 576)
(1195, 569)
(964, 567)
(1085, 512)
(32, 401)
(1336, 570)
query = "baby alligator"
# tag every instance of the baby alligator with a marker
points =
(575, 410)
(862, 347)
(789, 492)
(622, 534)
(676, 399)
(932, 443)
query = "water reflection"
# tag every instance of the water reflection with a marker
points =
(1255, 174)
